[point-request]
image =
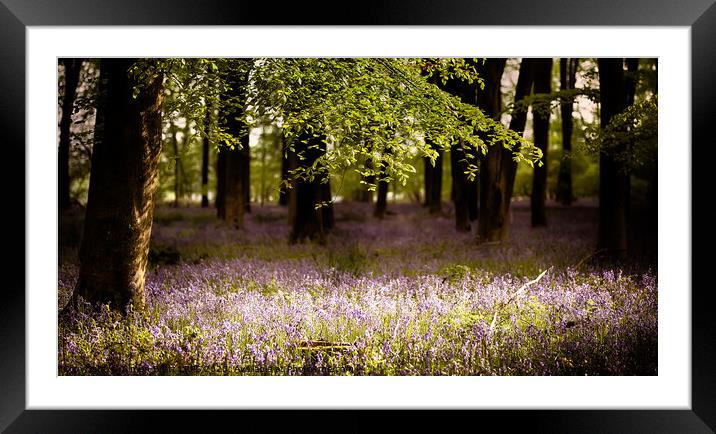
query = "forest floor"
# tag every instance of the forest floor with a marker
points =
(407, 295)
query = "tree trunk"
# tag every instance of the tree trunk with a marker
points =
(308, 220)
(495, 186)
(567, 80)
(434, 183)
(233, 194)
(461, 185)
(233, 169)
(175, 149)
(246, 176)
(614, 182)
(365, 195)
(283, 192)
(221, 182)
(542, 85)
(72, 78)
(205, 162)
(120, 206)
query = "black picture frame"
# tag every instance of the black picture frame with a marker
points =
(16, 15)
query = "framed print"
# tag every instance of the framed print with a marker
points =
(42, 394)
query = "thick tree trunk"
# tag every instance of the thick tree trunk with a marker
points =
(381, 202)
(205, 162)
(614, 182)
(542, 85)
(221, 182)
(233, 194)
(461, 186)
(72, 78)
(567, 79)
(495, 190)
(307, 219)
(123, 180)
(427, 180)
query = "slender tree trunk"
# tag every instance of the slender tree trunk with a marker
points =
(246, 176)
(614, 182)
(120, 206)
(381, 202)
(567, 80)
(72, 78)
(494, 189)
(308, 220)
(205, 162)
(461, 185)
(221, 182)
(283, 193)
(366, 195)
(175, 149)
(435, 187)
(542, 85)
(428, 180)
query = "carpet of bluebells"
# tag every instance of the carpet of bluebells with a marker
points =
(407, 295)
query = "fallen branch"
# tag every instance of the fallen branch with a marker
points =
(596, 252)
(514, 296)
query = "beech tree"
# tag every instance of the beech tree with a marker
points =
(541, 112)
(72, 69)
(567, 80)
(120, 206)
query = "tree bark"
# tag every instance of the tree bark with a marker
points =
(542, 85)
(495, 180)
(205, 161)
(614, 182)
(365, 195)
(233, 194)
(567, 80)
(72, 78)
(120, 206)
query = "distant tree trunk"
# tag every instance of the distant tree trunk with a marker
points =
(542, 85)
(246, 176)
(381, 202)
(283, 192)
(364, 194)
(72, 78)
(221, 182)
(495, 190)
(120, 206)
(205, 162)
(461, 185)
(567, 80)
(175, 149)
(427, 180)
(434, 183)
(308, 220)
(614, 182)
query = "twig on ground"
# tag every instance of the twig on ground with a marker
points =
(513, 296)
(594, 253)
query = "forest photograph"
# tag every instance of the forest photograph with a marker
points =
(329, 216)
